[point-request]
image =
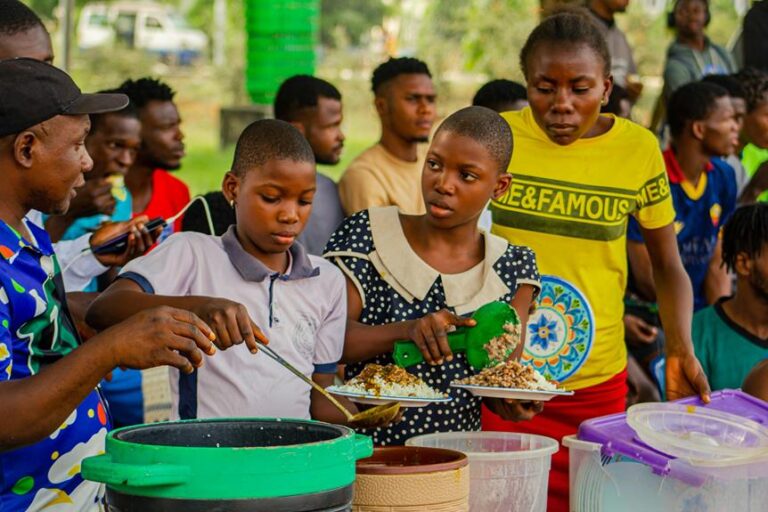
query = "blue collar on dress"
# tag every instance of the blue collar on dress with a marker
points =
(251, 269)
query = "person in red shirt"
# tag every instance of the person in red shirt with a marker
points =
(155, 191)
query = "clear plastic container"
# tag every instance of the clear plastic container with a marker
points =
(509, 472)
(601, 482)
(699, 435)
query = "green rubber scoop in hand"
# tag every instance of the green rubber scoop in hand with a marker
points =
(491, 319)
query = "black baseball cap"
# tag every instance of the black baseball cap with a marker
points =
(32, 91)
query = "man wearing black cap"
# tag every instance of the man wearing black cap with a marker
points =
(52, 416)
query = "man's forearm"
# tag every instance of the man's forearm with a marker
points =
(675, 298)
(112, 307)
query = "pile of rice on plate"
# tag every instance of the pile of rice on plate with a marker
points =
(390, 380)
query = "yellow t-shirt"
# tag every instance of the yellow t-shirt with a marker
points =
(570, 205)
(378, 178)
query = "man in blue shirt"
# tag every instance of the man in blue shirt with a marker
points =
(52, 414)
(703, 187)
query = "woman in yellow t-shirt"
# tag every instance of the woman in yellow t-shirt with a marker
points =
(577, 176)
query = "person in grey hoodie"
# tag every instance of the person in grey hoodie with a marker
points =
(692, 55)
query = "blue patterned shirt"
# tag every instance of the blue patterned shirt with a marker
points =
(36, 330)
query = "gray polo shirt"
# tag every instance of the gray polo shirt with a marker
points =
(302, 313)
(325, 218)
(622, 61)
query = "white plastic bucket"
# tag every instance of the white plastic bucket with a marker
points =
(508, 471)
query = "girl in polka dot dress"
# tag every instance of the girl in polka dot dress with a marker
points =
(413, 277)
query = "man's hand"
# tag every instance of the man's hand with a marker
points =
(513, 410)
(139, 240)
(92, 198)
(230, 323)
(430, 334)
(160, 336)
(638, 331)
(634, 88)
(685, 377)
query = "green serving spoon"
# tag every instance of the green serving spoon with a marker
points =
(490, 319)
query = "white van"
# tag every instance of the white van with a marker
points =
(153, 27)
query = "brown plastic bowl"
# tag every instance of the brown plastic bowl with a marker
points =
(402, 460)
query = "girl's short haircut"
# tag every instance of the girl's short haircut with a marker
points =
(567, 26)
(486, 127)
(269, 139)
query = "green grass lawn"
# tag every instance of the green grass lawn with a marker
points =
(205, 164)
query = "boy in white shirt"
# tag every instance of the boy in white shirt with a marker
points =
(254, 282)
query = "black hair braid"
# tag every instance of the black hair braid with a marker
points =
(568, 26)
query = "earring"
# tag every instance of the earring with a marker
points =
(232, 203)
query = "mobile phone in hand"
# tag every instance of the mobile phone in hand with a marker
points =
(118, 244)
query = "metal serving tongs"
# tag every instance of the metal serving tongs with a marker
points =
(370, 418)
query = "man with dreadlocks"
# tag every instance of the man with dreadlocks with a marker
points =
(731, 336)
(155, 192)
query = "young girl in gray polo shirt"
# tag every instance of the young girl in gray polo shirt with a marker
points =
(411, 276)
(254, 282)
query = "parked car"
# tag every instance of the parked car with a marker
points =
(156, 28)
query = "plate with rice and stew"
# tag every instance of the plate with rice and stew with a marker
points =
(378, 384)
(511, 380)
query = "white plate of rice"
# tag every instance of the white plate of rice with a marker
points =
(513, 380)
(378, 384)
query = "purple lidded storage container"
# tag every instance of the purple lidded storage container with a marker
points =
(618, 439)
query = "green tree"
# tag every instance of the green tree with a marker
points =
(497, 29)
(346, 22)
(482, 36)
(444, 27)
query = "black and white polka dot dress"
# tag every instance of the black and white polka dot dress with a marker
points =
(352, 247)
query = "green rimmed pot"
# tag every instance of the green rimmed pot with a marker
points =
(258, 465)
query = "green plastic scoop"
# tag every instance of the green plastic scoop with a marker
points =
(490, 319)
